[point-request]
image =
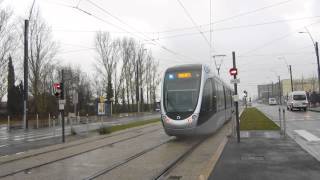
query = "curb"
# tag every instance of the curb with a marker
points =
(213, 160)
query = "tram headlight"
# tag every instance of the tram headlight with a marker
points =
(194, 117)
(163, 117)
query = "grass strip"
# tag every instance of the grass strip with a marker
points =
(253, 119)
(111, 129)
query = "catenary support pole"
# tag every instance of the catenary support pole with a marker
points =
(25, 75)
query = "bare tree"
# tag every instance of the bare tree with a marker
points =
(7, 43)
(108, 54)
(42, 52)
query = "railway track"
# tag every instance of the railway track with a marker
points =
(26, 170)
(73, 145)
(162, 173)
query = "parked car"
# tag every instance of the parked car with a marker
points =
(297, 100)
(272, 101)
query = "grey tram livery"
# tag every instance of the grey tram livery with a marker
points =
(194, 101)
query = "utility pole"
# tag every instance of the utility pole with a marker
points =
(236, 93)
(317, 54)
(137, 86)
(291, 78)
(25, 74)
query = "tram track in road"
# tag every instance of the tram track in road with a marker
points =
(74, 145)
(166, 169)
(161, 175)
(28, 169)
(127, 160)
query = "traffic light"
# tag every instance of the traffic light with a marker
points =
(58, 90)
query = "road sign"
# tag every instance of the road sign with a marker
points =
(233, 71)
(235, 98)
(235, 81)
(101, 109)
(62, 101)
(61, 106)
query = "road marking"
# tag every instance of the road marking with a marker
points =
(4, 145)
(307, 135)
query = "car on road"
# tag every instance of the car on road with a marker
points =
(297, 100)
(272, 101)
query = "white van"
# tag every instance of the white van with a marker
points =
(297, 100)
(272, 101)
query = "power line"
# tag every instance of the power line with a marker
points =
(230, 17)
(237, 27)
(194, 23)
(123, 22)
(277, 39)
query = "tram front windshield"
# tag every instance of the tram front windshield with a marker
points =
(181, 91)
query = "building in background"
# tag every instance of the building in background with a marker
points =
(271, 90)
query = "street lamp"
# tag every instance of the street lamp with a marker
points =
(218, 66)
(315, 44)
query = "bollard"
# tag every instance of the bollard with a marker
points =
(37, 121)
(78, 118)
(54, 127)
(280, 123)
(49, 121)
(8, 127)
(87, 124)
(284, 122)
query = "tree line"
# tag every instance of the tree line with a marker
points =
(122, 68)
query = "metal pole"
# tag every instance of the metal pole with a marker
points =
(137, 87)
(49, 120)
(280, 122)
(280, 100)
(87, 123)
(284, 122)
(25, 74)
(291, 78)
(37, 121)
(317, 54)
(62, 111)
(236, 102)
(8, 127)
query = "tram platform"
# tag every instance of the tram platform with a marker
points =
(265, 156)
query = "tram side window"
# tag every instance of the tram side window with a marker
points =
(220, 98)
(207, 97)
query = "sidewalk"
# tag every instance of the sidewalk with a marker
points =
(265, 156)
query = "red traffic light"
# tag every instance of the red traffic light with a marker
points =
(56, 85)
(233, 71)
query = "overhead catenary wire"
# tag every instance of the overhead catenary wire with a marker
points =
(230, 17)
(139, 32)
(194, 23)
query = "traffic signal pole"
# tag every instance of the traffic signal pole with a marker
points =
(236, 93)
(62, 109)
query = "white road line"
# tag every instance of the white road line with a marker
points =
(4, 145)
(307, 135)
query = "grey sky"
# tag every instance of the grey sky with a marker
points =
(258, 48)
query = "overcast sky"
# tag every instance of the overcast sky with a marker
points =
(260, 49)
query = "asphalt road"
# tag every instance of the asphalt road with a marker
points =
(303, 127)
(18, 140)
